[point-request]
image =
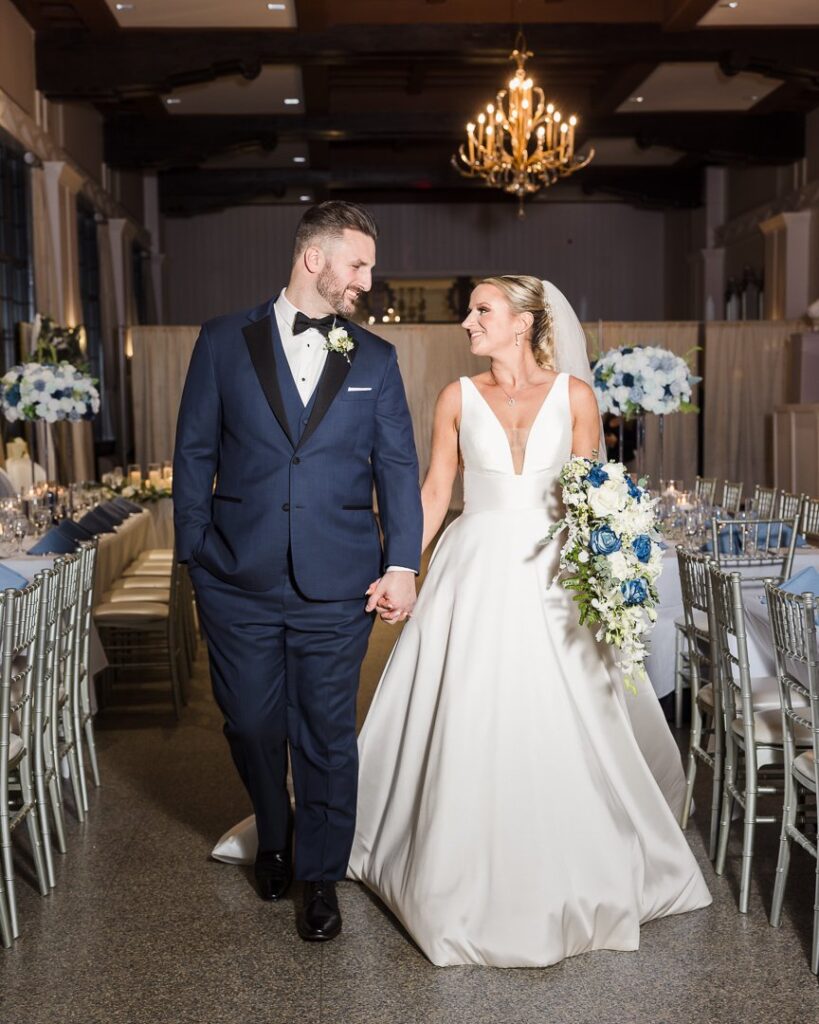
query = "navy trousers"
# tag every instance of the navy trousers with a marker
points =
(285, 673)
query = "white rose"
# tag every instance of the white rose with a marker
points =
(620, 566)
(609, 497)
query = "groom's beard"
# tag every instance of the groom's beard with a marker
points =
(340, 299)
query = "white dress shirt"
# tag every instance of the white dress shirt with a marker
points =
(305, 352)
(306, 356)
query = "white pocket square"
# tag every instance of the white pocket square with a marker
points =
(359, 389)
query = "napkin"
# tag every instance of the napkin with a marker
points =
(124, 505)
(56, 542)
(11, 579)
(97, 522)
(805, 581)
(113, 513)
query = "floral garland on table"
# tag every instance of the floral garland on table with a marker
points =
(611, 558)
(50, 386)
(147, 492)
(635, 379)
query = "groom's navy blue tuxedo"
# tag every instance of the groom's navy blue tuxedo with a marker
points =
(273, 514)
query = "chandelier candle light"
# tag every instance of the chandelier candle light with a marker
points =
(520, 143)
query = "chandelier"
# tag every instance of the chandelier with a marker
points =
(520, 143)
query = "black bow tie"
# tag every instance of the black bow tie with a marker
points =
(323, 324)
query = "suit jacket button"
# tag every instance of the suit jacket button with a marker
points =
(286, 507)
(296, 461)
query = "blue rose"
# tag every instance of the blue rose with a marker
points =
(626, 351)
(634, 591)
(13, 394)
(633, 489)
(628, 380)
(604, 541)
(596, 476)
(642, 547)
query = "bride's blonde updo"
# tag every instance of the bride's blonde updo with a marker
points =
(526, 294)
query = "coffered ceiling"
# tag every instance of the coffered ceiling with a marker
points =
(248, 101)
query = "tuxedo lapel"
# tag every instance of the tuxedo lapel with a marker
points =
(332, 377)
(259, 339)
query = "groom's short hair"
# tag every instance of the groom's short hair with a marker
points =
(329, 220)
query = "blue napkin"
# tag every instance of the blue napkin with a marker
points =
(124, 505)
(115, 514)
(97, 522)
(11, 579)
(56, 542)
(802, 582)
(68, 528)
(730, 541)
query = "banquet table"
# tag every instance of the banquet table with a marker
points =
(116, 551)
(660, 661)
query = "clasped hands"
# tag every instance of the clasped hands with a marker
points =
(392, 596)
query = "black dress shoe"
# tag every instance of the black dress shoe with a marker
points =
(274, 872)
(320, 918)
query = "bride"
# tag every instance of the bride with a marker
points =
(515, 807)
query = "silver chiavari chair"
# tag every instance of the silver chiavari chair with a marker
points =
(19, 615)
(47, 785)
(69, 741)
(731, 496)
(753, 727)
(810, 519)
(764, 501)
(793, 624)
(759, 548)
(145, 637)
(706, 711)
(705, 488)
(790, 505)
(83, 717)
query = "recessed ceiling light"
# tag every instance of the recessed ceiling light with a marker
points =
(637, 99)
(291, 101)
(305, 199)
(124, 7)
(173, 100)
(299, 159)
(277, 7)
(733, 4)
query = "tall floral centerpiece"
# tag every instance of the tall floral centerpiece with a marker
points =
(636, 379)
(52, 385)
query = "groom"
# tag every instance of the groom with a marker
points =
(290, 413)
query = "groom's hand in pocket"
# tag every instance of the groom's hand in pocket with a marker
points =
(392, 596)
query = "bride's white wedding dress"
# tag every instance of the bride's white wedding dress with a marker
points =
(515, 806)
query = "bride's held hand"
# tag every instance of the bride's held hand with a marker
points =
(392, 596)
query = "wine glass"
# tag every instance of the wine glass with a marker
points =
(20, 527)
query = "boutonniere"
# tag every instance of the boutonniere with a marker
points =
(338, 340)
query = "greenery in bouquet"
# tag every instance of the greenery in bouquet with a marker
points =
(146, 493)
(52, 385)
(611, 558)
(636, 379)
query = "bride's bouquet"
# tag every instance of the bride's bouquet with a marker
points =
(611, 558)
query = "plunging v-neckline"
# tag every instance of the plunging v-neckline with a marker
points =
(497, 420)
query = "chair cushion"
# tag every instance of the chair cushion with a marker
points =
(159, 552)
(160, 594)
(705, 697)
(768, 729)
(147, 569)
(131, 611)
(15, 746)
(804, 765)
(139, 583)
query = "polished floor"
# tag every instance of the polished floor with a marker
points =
(144, 929)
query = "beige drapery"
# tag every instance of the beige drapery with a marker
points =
(158, 368)
(744, 381)
(680, 444)
(45, 255)
(744, 368)
(109, 331)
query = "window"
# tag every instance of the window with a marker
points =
(91, 316)
(16, 278)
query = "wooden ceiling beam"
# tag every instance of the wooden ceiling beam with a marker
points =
(136, 141)
(72, 65)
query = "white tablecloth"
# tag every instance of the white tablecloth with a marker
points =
(660, 662)
(115, 552)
